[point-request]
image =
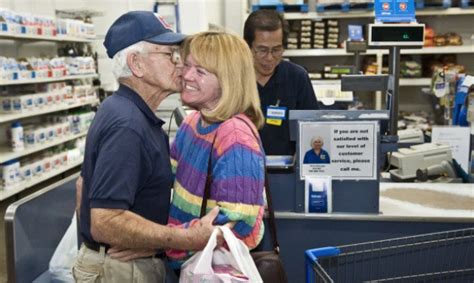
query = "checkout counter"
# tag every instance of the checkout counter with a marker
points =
(363, 209)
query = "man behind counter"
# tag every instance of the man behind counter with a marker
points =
(282, 85)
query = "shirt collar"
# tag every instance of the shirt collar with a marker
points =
(133, 96)
(275, 78)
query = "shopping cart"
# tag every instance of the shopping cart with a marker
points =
(435, 257)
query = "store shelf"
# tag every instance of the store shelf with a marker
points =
(47, 80)
(403, 82)
(370, 14)
(415, 82)
(322, 52)
(44, 38)
(7, 154)
(11, 117)
(439, 50)
(324, 82)
(6, 193)
(463, 49)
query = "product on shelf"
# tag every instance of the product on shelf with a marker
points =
(9, 173)
(17, 137)
(429, 36)
(31, 68)
(410, 69)
(44, 96)
(26, 24)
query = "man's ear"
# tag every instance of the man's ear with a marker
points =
(135, 64)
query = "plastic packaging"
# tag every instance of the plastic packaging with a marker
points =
(17, 137)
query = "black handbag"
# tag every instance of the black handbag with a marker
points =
(268, 263)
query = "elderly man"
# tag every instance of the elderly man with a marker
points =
(126, 172)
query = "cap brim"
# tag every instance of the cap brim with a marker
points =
(167, 38)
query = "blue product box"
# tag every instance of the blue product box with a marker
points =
(393, 11)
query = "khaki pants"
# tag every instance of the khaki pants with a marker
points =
(92, 266)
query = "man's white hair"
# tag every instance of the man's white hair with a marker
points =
(120, 67)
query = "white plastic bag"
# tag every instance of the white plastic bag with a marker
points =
(220, 265)
(60, 265)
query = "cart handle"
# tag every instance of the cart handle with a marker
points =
(313, 254)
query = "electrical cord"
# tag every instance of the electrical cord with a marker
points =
(389, 157)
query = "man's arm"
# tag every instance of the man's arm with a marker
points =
(126, 229)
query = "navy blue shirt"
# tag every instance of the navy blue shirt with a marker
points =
(127, 163)
(312, 158)
(291, 87)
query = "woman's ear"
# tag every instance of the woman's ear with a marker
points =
(135, 63)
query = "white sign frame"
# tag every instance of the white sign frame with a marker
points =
(352, 147)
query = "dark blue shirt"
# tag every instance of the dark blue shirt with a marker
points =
(312, 158)
(126, 164)
(292, 88)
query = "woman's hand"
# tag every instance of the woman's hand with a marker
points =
(125, 254)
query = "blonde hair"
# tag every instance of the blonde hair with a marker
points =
(229, 58)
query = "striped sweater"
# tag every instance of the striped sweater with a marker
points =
(238, 177)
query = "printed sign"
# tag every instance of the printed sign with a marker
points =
(343, 150)
(394, 11)
(458, 138)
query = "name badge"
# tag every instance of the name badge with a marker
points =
(274, 122)
(276, 112)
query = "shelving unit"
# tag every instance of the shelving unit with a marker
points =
(11, 117)
(403, 82)
(6, 193)
(47, 80)
(463, 49)
(44, 38)
(6, 152)
(370, 14)
(441, 20)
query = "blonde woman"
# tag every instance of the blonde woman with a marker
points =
(219, 82)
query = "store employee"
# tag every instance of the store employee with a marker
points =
(282, 85)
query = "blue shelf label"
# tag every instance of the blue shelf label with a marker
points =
(395, 11)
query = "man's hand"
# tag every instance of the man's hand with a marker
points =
(124, 254)
(201, 231)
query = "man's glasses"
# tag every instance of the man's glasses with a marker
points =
(174, 55)
(262, 52)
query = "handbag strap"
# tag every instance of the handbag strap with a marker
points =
(207, 187)
(271, 212)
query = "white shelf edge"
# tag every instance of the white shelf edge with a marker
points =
(463, 49)
(454, 11)
(415, 81)
(47, 80)
(6, 193)
(439, 50)
(4, 35)
(10, 117)
(403, 82)
(6, 154)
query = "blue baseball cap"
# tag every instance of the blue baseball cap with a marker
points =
(136, 26)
